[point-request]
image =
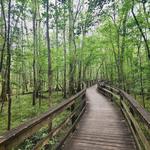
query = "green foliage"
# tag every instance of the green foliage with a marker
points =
(22, 110)
(107, 44)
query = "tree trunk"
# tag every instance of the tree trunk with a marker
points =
(8, 67)
(34, 56)
(72, 55)
(57, 68)
(141, 76)
(65, 57)
(49, 53)
(5, 35)
(49, 60)
(141, 31)
(80, 61)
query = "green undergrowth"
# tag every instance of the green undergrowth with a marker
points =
(22, 109)
(147, 103)
(29, 143)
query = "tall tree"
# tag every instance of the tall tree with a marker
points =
(8, 66)
(4, 30)
(64, 48)
(49, 52)
(71, 48)
(34, 52)
(141, 30)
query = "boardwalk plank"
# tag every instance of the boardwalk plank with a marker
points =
(102, 127)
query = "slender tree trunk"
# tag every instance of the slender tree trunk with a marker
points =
(65, 57)
(2, 70)
(133, 76)
(3, 92)
(80, 61)
(34, 55)
(22, 63)
(8, 67)
(141, 76)
(146, 14)
(122, 52)
(56, 22)
(28, 43)
(5, 35)
(141, 31)
(72, 55)
(49, 60)
(49, 53)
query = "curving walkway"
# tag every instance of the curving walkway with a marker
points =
(102, 127)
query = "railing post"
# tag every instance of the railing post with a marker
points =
(73, 119)
(111, 94)
(121, 99)
(131, 110)
(84, 99)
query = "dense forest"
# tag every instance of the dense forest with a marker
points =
(49, 47)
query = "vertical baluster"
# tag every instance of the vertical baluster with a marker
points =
(74, 116)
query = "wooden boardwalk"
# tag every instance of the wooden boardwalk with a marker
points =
(102, 127)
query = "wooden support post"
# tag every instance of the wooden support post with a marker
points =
(132, 111)
(84, 99)
(111, 95)
(121, 99)
(73, 119)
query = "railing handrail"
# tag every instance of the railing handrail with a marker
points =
(133, 112)
(143, 114)
(37, 122)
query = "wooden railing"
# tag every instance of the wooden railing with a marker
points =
(75, 105)
(137, 117)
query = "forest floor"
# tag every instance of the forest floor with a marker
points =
(22, 109)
